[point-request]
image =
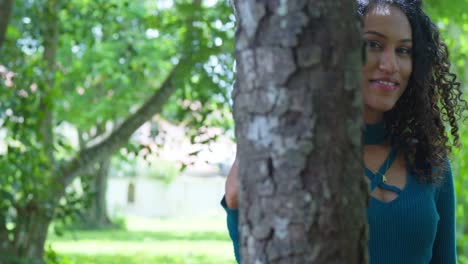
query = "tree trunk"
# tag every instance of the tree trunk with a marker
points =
(26, 241)
(6, 7)
(51, 37)
(96, 214)
(33, 225)
(100, 202)
(298, 116)
(29, 236)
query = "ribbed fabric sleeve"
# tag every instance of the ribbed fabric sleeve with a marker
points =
(444, 250)
(232, 220)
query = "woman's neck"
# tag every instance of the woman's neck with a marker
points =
(371, 116)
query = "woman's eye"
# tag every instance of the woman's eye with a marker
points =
(373, 44)
(406, 51)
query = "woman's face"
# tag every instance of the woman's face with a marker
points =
(388, 68)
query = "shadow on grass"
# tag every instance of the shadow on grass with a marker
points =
(139, 236)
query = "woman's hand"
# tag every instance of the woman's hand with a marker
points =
(231, 188)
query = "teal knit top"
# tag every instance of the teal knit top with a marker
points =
(418, 227)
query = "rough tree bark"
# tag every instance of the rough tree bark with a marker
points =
(297, 112)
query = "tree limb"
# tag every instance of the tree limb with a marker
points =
(90, 155)
(6, 7)
(3, 233)
(117, 139)
(51, 39)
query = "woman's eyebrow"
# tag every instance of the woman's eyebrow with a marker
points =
(383, 36)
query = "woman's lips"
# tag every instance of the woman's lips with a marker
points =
(384, 85)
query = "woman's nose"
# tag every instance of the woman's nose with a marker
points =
(388, 62)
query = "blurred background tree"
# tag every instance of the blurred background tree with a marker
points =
(102, 69)
(452, 19)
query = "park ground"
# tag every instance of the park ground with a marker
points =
(147, 241)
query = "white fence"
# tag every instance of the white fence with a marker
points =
(186, 196)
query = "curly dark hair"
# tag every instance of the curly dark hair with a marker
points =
(433, 98)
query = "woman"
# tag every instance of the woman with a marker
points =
(407, 91)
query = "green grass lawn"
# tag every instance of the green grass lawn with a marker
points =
(181, 241)
(175, 241)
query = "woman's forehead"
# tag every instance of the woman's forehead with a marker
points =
(389, 19)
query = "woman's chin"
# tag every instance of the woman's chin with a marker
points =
(378, 102)
(380, 106)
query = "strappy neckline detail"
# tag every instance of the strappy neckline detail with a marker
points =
(378, 179)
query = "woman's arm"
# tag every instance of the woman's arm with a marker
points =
(231, 187)
(444, 250)
(229, 203)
